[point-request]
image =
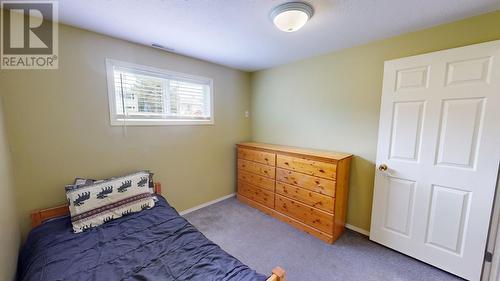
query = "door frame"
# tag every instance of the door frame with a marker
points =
(491, 270)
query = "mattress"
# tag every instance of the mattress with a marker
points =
(155, 244)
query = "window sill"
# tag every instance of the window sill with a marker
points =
(173, 122)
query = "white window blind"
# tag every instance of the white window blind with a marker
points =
(150, 96)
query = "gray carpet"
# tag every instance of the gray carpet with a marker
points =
(263, 242)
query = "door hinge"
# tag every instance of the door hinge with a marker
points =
(488, 257)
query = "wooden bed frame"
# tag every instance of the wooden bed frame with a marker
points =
(39, 216)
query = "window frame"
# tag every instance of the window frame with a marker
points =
(114, 117)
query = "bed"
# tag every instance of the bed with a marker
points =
(154, 244)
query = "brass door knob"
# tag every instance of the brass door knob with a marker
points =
(382, 167)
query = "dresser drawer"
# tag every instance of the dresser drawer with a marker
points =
(320, 185)
(306, 214)
(262, 196)
(256, 168)
(257, 156)
(306, 166)
(256, 180)
(305, 196)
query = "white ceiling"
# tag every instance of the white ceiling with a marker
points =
(240, 34)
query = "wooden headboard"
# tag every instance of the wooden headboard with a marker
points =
(39, 216)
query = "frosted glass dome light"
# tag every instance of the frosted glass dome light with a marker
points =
(291, 16)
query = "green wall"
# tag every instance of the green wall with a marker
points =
(332, 101)
(58, 126)
(9, 236)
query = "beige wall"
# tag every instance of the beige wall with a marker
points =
(332, 101)
(58, 126)
(9, 236)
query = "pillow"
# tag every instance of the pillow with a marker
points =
(80, 181)
(84, 181)
(96, 202)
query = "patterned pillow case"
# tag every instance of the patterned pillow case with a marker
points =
(84, 181)
(94, 203)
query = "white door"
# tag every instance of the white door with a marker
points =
(439, 138)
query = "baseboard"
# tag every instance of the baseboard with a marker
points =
(348, 226)
(206, 204)
(357, 229)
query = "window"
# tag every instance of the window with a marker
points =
(141, 95)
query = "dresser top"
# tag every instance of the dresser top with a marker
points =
(297, 150)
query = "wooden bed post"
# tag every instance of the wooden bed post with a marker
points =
(278, 275)
(36, 219)
(157, 188)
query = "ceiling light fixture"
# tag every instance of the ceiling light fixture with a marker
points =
(291, 16)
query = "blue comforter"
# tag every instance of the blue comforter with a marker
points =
(155, 244)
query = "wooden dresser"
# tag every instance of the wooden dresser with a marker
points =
(303, 187)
